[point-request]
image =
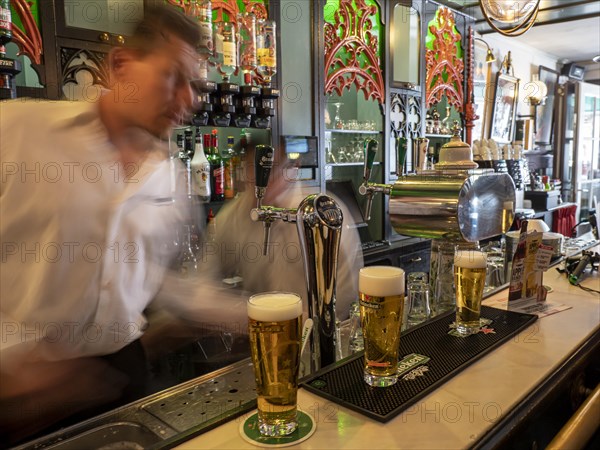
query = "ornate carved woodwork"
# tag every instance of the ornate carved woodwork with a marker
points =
(406, 117)
(27, 39)
(443, 63)
(352, 51)
(470, 114)
(229, 7)
(257, 8)
(83, 73)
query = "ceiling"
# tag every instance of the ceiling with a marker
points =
(567, 29)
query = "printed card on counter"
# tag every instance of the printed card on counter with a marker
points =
(527, 292)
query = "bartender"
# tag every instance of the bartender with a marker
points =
(87, 219)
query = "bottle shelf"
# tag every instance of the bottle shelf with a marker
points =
(438, 135)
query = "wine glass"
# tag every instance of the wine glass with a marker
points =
(337, 121)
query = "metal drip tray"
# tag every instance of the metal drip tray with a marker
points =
(165, 419)
(114, 436)
(201, 403)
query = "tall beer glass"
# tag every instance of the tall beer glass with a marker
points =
(469, 278)
(381, 292)
(275, 321)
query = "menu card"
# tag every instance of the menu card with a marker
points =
(527, 293)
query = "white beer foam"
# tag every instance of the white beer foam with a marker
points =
(470, 259)
(274, 306)
(381, 281)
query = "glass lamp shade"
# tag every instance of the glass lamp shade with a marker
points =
(508, 11)
(539, 90)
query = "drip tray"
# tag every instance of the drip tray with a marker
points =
(430, 357)
(208, 401)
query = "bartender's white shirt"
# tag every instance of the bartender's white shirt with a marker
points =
(84, 250)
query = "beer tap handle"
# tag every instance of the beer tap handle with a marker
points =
(370, 153)
(401, 150)
(263, 162)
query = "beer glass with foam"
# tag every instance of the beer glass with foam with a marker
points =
(469, 278)
(275, 320)
(381, 292)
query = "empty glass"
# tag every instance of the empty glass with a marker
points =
(418, 298)
(356, 342)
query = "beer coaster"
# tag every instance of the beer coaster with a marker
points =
(250, 433)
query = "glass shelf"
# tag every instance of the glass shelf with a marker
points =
(348, 164)
(354, 131)
(438, 135)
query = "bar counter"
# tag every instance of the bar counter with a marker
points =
(477, 408)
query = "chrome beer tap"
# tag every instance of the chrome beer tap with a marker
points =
(366, 188)
(263, 163)
(318, 221)
(454, 202)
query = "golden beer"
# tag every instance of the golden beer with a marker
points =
(469, 278)
(275, 322)
(381, 292)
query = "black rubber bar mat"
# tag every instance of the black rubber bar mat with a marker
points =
(430, 357)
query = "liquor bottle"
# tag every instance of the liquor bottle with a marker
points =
(217, 179)
(185, 159)
(181, 147)
(266, 50)
(189, 143)
(5, 22)
(241, 162)
(201, 170)
(225, 49)
(229, 163)
(201, 12)
(247, 45)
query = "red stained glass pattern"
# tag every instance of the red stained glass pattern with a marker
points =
(351, 51)
(444, 66)
(28, 40)
(229, 7)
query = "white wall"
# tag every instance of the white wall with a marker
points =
(525, 61)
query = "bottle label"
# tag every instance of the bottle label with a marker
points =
(266, 57)
(5, 19)
(218, 44)
(202, 174)
(229, 54)
(206, 36)
(219, 177)
(229, 188)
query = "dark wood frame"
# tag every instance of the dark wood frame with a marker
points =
(510, 121)
(544, 113)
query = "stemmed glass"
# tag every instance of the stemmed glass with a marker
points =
(337, 121)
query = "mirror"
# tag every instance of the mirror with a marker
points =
(405, 46)
(502, 128)
(112, 16)
(544, 113)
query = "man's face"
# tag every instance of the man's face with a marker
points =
(156, 92)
